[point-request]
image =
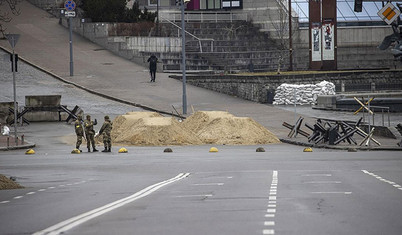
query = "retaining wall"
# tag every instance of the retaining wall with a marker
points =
(261, 88)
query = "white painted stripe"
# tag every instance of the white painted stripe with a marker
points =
(272, 193)
(41, 190)
(271, 205)
(323, 182)
(397, 185)
(400, 188)
(18, 197)
(272, 202)
(269, 223)
(272, 198)
(364, 171)
(317, 175)
(199, 195)
(209, 184)
(50, 187)
(30, 193)
(275, 174)
(271, 210)
(274, 187)
(332, 192)
(269, 215)
(4, 202)
(77, 220)
(268, 231)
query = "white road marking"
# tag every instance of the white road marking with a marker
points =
(269, 223)
(18, 197)
(199, 195)
(270, 215)
(383, 180)
(66, 225)
(209, 184)
(332, 192)
(271, 211)
(271, 205)
(268, 231)
(317, 175)
(4, 202)
(323, 182)
(271, 202)
(41, 190)
(272, 198)
(30, 193)
(50, 187)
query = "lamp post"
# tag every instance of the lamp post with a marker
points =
(183, 53)
(13, 39)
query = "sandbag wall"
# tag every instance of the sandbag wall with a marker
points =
(302, 94)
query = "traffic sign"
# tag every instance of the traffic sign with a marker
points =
(69, 13)
(69, 5)
(389, 13)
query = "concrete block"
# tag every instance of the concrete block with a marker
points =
(42, 100)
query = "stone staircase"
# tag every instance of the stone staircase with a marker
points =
(235, 46)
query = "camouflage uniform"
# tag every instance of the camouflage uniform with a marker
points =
(90, 133)
(79, 131)
(106, 129)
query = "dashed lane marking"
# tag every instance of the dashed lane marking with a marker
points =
(382, 179)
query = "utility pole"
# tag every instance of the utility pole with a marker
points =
(183, 54)
(290, 37)
(13, 39)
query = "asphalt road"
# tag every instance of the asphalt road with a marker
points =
(234, 191)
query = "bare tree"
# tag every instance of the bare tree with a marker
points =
(281, 26)
(8, 8)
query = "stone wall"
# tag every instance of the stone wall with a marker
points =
(261, 88)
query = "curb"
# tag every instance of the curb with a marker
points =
(92, 91)
(326, 146)
(24, 146)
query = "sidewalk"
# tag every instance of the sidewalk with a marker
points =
(8, 143)
(45, 44)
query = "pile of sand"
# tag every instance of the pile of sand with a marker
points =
(212, 127)
(6, 183)
(216, 127)
(150, 129)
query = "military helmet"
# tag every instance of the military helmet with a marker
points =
(106, 117)
(79, 117)
(88, 116)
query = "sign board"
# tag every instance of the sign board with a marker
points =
(389, 13)
(69, 5)
(69, 13)
(13, 39)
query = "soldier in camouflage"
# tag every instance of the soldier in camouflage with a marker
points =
(105, 130)
(90, 133)
(79, 131)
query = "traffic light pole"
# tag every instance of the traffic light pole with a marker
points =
(15, 101)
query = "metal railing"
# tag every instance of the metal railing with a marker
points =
(382, 108)
(192, 35)
(206, 16)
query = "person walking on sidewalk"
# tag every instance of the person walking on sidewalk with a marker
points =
(153, 60)
(105, 130)
(79, 131)
(90, 133)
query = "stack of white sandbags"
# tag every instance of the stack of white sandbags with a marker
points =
(302, 94)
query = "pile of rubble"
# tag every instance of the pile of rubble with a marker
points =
(302, 94)
(212, 127)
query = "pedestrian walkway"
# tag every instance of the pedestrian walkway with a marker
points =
(45, 44)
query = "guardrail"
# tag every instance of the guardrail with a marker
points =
(382, 108)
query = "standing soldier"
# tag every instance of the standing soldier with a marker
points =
(79, 131)
(106, 129)
(90, 133)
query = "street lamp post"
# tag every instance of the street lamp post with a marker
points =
(183, 53)
(13, 39)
